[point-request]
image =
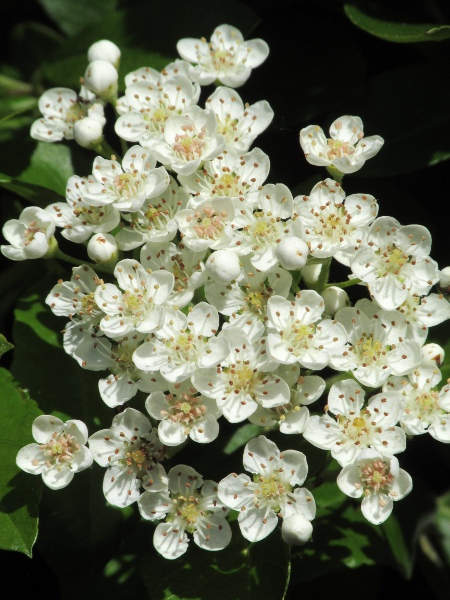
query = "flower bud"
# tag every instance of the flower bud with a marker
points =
(223, 266)
(433, 353)
(88, 132)
(444, 280)
(296, 530)
(102, 248)
(292, 252)
(101, 79)
(335, 298)
(104, 50)
(311, 274)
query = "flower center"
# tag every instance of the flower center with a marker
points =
(88, 304)
(132, 303)
(338, 149)
(209, 225)
(30, 232)
(76, 112)
(126, 184)
(271, 491)
(186, 408)
(376, 476)
(59, 450)
(393, 260)
(189, 145)
(371, 350)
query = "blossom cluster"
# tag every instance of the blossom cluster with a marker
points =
(208, 292)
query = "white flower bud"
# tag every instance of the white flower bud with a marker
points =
(102, 248)
(296, 530)
(311, 274)
(292, 252)
(104, 50)
(223, 266)
(433, 353)
(101, 79)
(335, 298)
(444, 280)
(88, 132)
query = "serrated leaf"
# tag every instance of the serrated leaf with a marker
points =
(242, 571)
(240, 437)
(35, 194)
(390, 26)
(5, 346)
(19, 492)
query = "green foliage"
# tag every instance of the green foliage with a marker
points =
(19, 492)
(5, 346)
(72, 17)
(391, 26)
(243, 571)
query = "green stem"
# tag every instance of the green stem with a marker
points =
(344, 284)
(31, 106)
(335, 174)
(105, 150)
(322, 282)
(75, 261)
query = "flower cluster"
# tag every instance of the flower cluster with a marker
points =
(213, 300)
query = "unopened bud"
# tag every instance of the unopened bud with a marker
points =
(311, 274)
(102, 249)
(433, 353)
(335, 298)
(105, 50)
(223, 266)
(292, 252)
(88, 132)
(101, 79)
(444, 280)
(296, 530)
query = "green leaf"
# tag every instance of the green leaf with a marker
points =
(80, 532)
(242, 571)
(5, 346)
(73, 17)
(389, 26)
(50, 167)
(19, 492)
(35, 194)
(243, 435)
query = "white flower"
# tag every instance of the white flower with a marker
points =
(292, 252)
(378, 345)
(184, 413)
(186, 509)
(293, 416)
(155, 220)
(140, 306)
(357, 426)
(75, 299)
(422, 313)
(272, 493)
(333, 224)
(61, 108)
(444, 280)
(147, 105)
(347, 150)
(208, 225)
(296, 332)
(245, 379)
(79, 219)
(434, 354)
(426, 409)
(335, 298)
(394, 261)
(189, 140)
(96, 353)
(264, 229)
(184, 344)
(238, 177)
(223, 266)
(154, 77)
(131, 450)
(226, 57)
(186, 266)
(239, 124)
(88, 132)
(126, 187)
(59, 453)
(245, 300)
(296, 530)
(30, 235)
(377, 477)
